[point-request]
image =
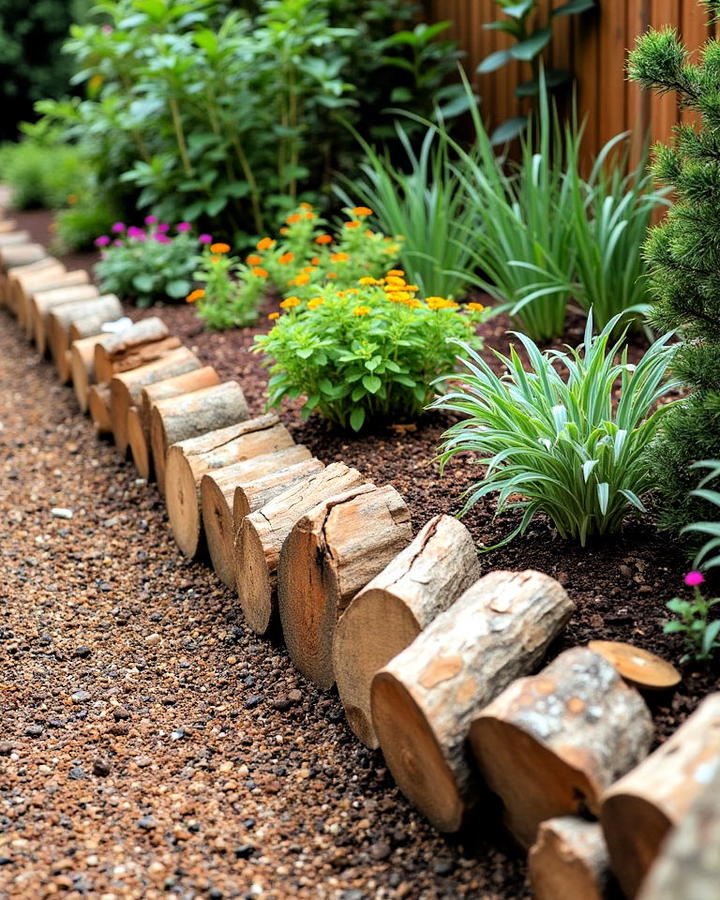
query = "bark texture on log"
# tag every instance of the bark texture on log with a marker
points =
(569, 861)
(126, 386)
(331, 553)
(191, 415)
(43, 301)
(106, 307)
(217, 495)
(254, 490)
(388, 614)
(23, 280)
(99, 408)
(11, 257)
(640, 809)
(261, 535)
(688, 867)
(550, 744)
(189, 460)
(109, 358)
(82, 366)
(29, 313)
(424, 701)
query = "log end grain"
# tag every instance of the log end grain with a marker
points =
(217, 520)
(182, 500)
(137, 440)
(256, 582)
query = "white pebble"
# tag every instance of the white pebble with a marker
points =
(60, 512)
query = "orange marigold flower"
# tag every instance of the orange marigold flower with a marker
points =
(352, 224)
(291, 220)
(305, 205)
(215, 259)
(309, 216)
(341, 294)
(476, 307)
(301, 279)
(265, 244)
(315, 260)
(286, 258)
(259, 272)
(398, 273)
(273, 316)
(323, 239)
(315, 302)
(193, 296)
(289, 302)
(339, 257)
(72, 199)
(398, 297)
(352, 291)
(362, 211)
(361, 310)
(254, 259)
(332, 274)
(219, 248)
(393, 281)
(367, 279)
(284, 230)
(369, 233)
(414, 303)
(440, 303)
(309, 269)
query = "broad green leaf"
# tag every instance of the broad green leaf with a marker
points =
(573, 8)
(529, 49)
(494, 61)
(357, 418)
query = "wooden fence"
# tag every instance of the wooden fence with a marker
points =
(594, 46)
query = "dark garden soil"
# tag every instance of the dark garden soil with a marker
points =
(152, 746)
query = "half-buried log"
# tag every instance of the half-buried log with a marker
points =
(82, 366)
(389, 613)
(109, 357)
(260, 537)
(99, 408)
(180, 418)
(331, 553)
(569, 861)
(23, 280)
(424, 701)
(126, 386)
(106, 308)
(217, 497)
(551, 744)
(138, 417)
(639, 810)
(189, 460)
(43, 301)
(688, 867)
(26, 305)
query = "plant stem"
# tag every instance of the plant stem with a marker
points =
(250, 178)
(180, 135)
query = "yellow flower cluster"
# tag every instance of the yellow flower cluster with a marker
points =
(441, 303)
(397, 290)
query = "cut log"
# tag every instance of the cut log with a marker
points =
(106, 308)
(11, 238)
(217, 496)
(688, 867)
(180, 418)
(43, 301)
(99, 408)
(260, 537)
(569, 861)
(331, 553)
(82, 366)
(189, 460)
(92, 324)
(389, 613)
(26, 305)
(644, 670)
(252, 493)
(109, 357)
(640, 809)
(424, 701)
(23, 280)
(7, 226)
(126, 386)
(11, 257)
(550, 744)
(138, 418)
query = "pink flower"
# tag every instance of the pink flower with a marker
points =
(163, 227)
(135, 232)
(117, 243)
(107, 29)
(205, 239)
(102, 241)
(184, 226)
(162, 238)
(150, 220)
(118, 227)
(693, 579)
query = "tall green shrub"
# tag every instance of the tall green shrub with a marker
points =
(684, 256)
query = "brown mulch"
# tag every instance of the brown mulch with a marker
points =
(153, 746)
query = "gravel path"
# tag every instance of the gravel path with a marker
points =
(150, 746)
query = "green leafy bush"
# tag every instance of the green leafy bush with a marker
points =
(77, 225)
(43, 172)
(710, 529)
(146, 265)
(559, 442)
(364, 355)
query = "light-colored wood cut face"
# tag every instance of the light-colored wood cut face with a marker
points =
(218, 524)
(252, 579)
(182, 502)
(138, 444)
(639, 667)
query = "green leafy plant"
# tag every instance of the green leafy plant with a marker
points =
(532, 36)
(559, 442)
(87, 214)
(683, 255)
(693, 622)
(710, 529)
(42, 171)
(146, 265)
(231, 292)
(364, 355)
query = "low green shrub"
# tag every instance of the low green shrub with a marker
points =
(231, 292)
(43, 172)
(710, 529)
(559, 442)
(692, 621)
(367, 354)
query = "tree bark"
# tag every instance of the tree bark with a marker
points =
(177, 419)
(688, 867)
(388, 614)
(424, 701)
(550, 744)
(109, 358)
(261, 535)
(331, 553)
(189, 460)
(43, 301)
(217, 496)
(99, 408)
(82, 366)
(640, 809)
(106, 307)
(126, 386)
(23, 280)
(569, 861)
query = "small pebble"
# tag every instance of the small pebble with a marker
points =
(79, 696)
(101, 767)
(60, 512)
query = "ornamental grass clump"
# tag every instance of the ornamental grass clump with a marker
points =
(366, 354)
(570, 444)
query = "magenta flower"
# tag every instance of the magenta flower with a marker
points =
(184, 226)
(205, 239)
(102, 241)
(118, 227)
(117, 243)
(150, 220)
(693, 579)
(162, 238)
(135, 232)
(107, 29)
(163, 227)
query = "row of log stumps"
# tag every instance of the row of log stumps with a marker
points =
(435, 659)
